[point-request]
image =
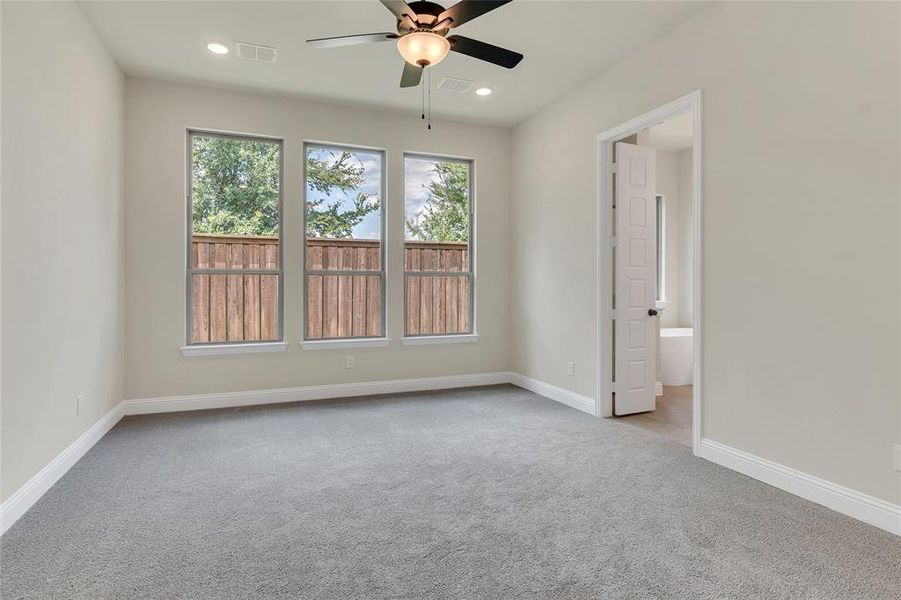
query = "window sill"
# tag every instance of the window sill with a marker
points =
(348, 343)
(428, 340)
(219, 349)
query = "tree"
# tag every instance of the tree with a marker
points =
(324, 175)
(444, 216)
(234, 186)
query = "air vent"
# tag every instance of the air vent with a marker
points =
(454, 86)
(257, 53)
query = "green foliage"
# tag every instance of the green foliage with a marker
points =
(324, 175)
(235, 186)
(235, 189)
(445, 215)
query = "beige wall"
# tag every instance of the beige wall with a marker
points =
(157, 115)
(62, 246)
(800, 231)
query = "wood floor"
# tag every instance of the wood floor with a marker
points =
(672, 417)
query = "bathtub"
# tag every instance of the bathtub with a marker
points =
(676, 355)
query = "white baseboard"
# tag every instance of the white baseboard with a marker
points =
(144, 406)
(868, 509)
(24, 498)
(577, 401)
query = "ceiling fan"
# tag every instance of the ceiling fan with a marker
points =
(422, 39)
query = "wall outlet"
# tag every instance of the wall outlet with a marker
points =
(898, 457)
(349, 362)
(79, 405)
(571, 368)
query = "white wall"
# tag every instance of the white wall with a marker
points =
(62, 244)
(800, 230)
(157, 115)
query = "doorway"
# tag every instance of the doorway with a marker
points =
(649, 279)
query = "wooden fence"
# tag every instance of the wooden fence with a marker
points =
(244, 307)
(436, 303)
(231, 308)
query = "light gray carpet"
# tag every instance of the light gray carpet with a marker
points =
(478, 493)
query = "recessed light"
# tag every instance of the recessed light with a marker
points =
(217, 48)
(483, 91)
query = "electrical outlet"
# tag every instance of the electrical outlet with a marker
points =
(79, 404)
(571, 368)
(898, 457)
(349, 362)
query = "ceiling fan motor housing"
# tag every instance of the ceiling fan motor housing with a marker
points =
(429, 10)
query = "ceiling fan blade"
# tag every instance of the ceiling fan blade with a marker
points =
(400, 9)
(467, 10)
(411, 76)
(351, 40)
(482, 51)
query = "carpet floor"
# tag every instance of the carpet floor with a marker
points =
(477, 493)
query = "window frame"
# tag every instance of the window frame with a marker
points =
(306, 341)
(472, 334)
(190, 270)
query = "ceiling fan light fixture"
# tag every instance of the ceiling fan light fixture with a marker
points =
(423, 48)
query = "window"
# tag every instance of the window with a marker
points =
(661, 248)
(438, 257)
(344, 261)
(234, 274)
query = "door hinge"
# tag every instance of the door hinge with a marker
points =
(613, 167)
(613, 242)
(613, 314)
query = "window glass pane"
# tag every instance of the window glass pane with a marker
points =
(343, 223)
(436, 202)
(343, 212)
(340, 306)
(234, 203)
(437, 226)
(234, 308)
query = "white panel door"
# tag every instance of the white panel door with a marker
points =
(635, 326)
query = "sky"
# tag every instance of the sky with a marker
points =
(418, 172)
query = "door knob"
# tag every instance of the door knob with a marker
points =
(652, 312)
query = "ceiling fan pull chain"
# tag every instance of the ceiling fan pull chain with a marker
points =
(430, 99)
(422, 95)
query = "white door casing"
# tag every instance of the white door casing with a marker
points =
(635, 353)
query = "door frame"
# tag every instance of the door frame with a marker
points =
(690, 103)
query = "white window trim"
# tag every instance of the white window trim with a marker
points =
(450, 338)
(239, 348)
(333, 344)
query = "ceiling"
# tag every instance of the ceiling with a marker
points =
(673, 134)
(564, 43)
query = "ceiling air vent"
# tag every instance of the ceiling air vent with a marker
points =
(455, 86)
(257, 53)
